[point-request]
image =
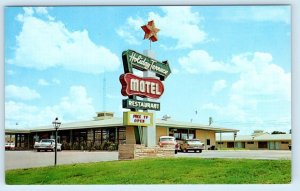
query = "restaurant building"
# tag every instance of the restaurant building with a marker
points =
(106, 132)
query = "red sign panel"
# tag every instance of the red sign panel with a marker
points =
(143, 87)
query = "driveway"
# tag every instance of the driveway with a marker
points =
(242, 154)
(29, 159)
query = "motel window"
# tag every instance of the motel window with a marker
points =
(263, 145)
(9, 138)
(184, 136)
(79, 136)
(104, 135)
(284, 142)
(112, 134)
(181, 134)
(207, 141)
(98, 135)
(192, 133)
(177, 136)
(230, 144)
(250, 142)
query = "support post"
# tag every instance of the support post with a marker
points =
(150, 131)
(55, 160)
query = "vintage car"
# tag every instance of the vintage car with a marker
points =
(9, 146)
(165, 141)
(46, 144)
(192, 145)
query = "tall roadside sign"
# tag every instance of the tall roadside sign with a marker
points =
(148, 86)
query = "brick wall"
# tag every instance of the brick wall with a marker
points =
(130, 137)
(161, 131)
(134, 151)
(203, 135)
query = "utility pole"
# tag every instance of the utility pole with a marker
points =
(104, 93)
(210, 121)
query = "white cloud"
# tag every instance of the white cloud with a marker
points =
(76, 106)
(28, 11)
(126, 31)
(11, 72)
(175, 71)
(41, 10)
(199, 61)
(260, 14)
(44, 44)
(186, 29)
(219, 86)
(111, 96)
(43, 82)
(128, 36)
(22, 93)
(55, 81)
(231, 112)
(260, 76)
(260, 85)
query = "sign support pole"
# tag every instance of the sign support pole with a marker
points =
(150, 131)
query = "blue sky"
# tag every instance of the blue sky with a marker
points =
(232, 63)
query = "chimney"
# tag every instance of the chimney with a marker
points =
(104, 115)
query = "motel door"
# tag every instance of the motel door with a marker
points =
(273, 145)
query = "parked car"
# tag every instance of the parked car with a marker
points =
(46, 144)
(168, 141)
(9, 146)
(192, 144)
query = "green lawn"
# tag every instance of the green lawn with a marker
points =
(159, 171)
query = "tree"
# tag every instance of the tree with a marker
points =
(278, 132)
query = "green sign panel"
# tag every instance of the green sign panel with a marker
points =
(133, 59)
(138, 104)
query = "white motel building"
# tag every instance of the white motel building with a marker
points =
(106, 132)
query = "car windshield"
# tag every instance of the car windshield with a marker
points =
(46, 141)
(194, 142)
(166, 139)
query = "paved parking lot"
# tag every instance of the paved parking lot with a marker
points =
(29, 159)
(247, 154)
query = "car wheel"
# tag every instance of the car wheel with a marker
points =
(38, 150)
(195, 151)
(200, 151)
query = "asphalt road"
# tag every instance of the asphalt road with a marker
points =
(29, 159)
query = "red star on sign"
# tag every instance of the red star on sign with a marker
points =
(150, 31)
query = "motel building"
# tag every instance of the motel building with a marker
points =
(259, 140)
(107, 132)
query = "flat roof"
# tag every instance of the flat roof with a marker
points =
(262, 137)
(118, 122)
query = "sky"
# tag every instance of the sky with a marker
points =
(231, 63)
